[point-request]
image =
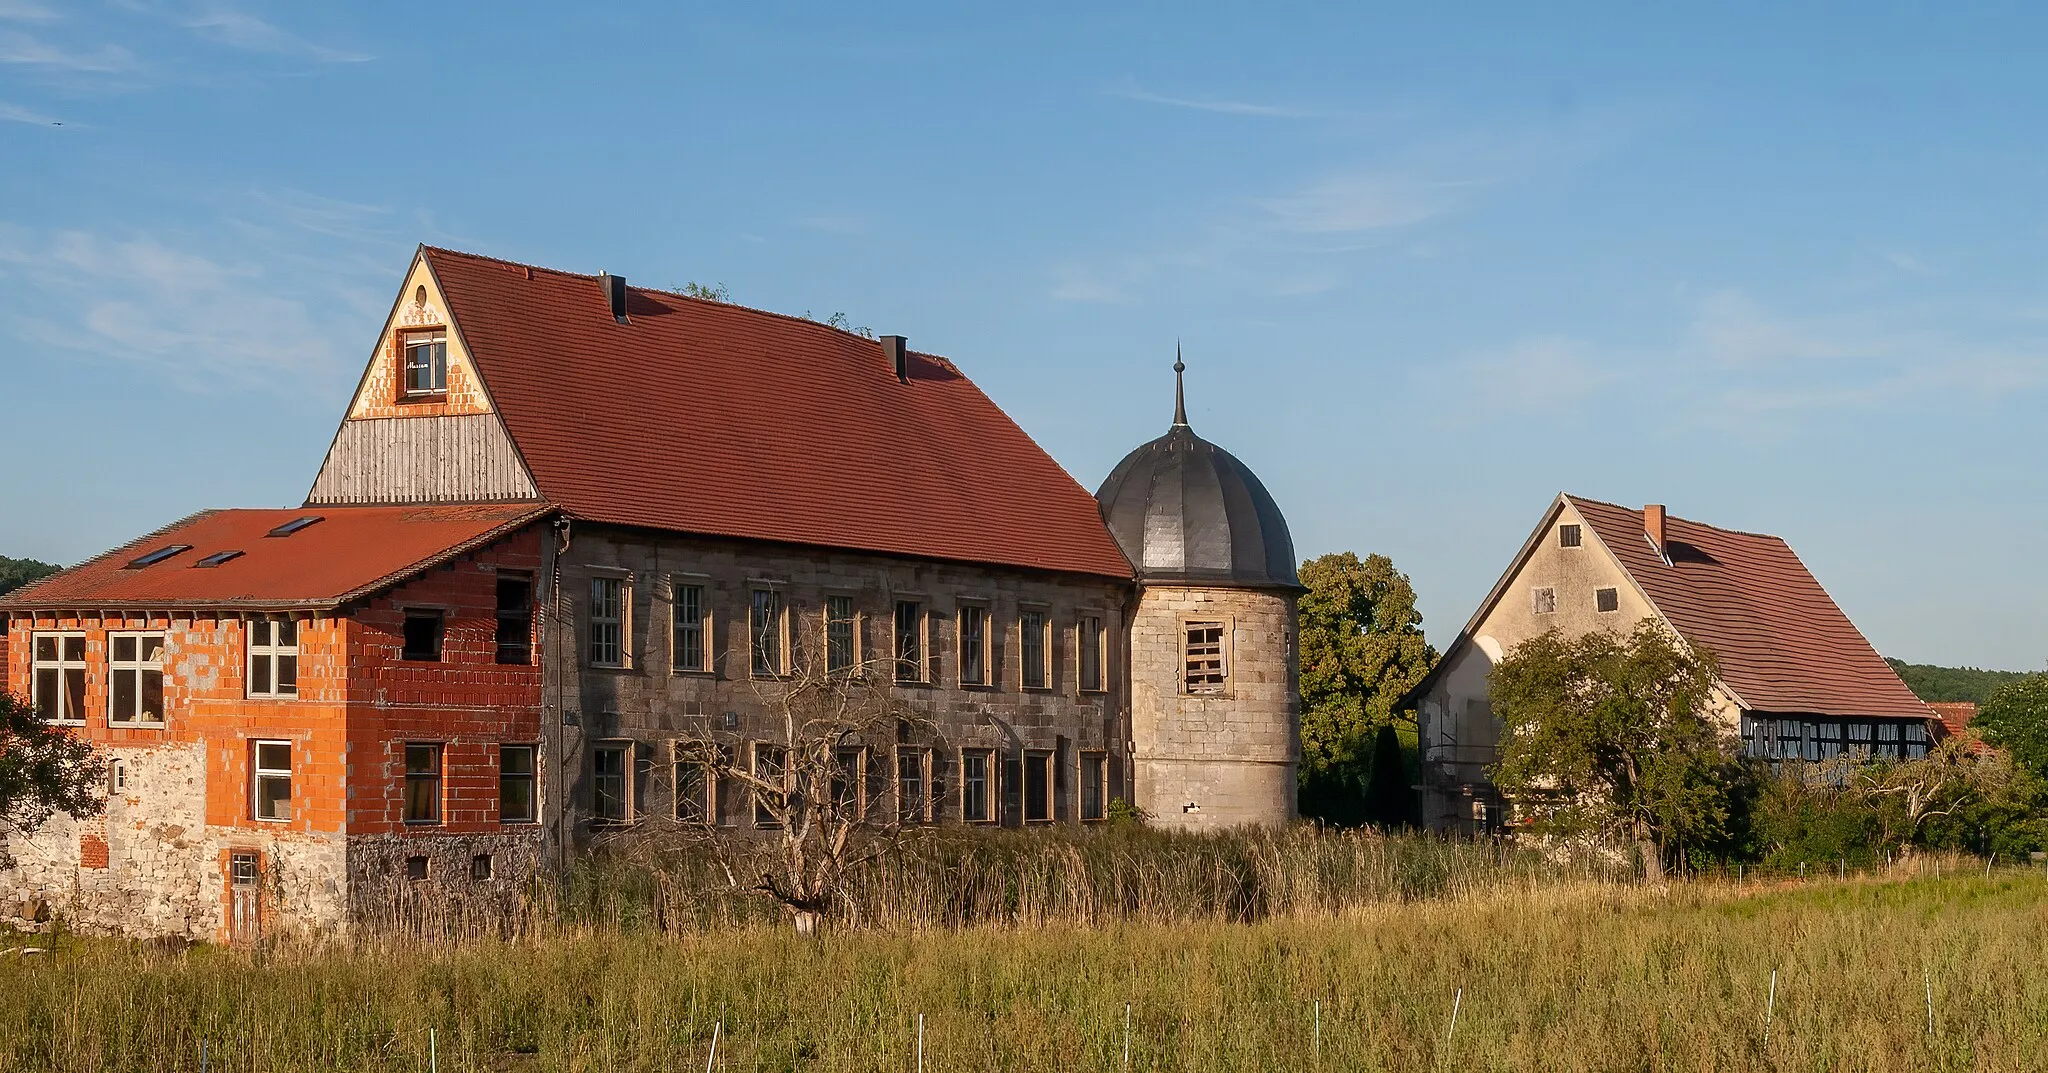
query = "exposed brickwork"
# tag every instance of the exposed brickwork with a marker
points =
(92, 851)
(383, 389)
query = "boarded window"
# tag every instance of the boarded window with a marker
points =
(1568, 536)
(1204, 657)
(1607, 599)
(1543, 600)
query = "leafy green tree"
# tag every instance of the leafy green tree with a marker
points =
(44, 770)
(2016, 719)
(1929, 682)
(1614, 739)
(1361, 649)
(1390, 795)
(14, 573)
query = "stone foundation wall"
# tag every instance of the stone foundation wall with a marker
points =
(386, 887)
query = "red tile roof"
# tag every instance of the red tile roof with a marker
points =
(350, 553)
(1782, 643)
(710, 418)
(1955, 715)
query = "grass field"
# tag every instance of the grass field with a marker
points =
(1577, 977)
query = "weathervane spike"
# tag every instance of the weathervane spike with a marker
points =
(1180, 398)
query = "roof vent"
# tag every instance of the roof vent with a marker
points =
(295, 525)
(895, 348)
(217, 558)
(614, 294)
(159, 555)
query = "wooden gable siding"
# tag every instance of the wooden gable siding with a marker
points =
(453, 459)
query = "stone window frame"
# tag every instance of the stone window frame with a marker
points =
(991, 776)
(1096, 760)
(273, 650)
(1225, 656)
(1570, 535)
(434, 775)
(258, 774)
(706, 630)
(984, 608)
(1043, 764)
(626, 774)
(1084, 637)
(531, 775)
(917, 671)
(63, 665)
(855, 620)
(926, 809)
(404, 340)
(1607, 600)
(141, 668)
(1543, 599)
(778, 663)
(622, 620)
(685, 770)
(757, 753)
(851, 782)
(1045, 663)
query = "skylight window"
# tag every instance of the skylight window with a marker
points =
(218, 558)
(159, 555)
(295, 525)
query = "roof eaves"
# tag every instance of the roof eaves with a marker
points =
(406, 573)
(19, 598)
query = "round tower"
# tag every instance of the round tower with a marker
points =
(1215, 712)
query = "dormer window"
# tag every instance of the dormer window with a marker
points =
(426, 363)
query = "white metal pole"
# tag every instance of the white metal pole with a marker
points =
(1456, 1001)
(920, 1043)
(1928, 977)
(433, 1052)
(1319, 1032)
(715, 1030)
(1127, 1035)
(1770, 1007)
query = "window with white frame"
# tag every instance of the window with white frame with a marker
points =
(1034, 648)
(841, 635)
(689, 652)
(1206, 672)
(135, 672)
(974, 645)
(977, 786)
(765, 626)
(273, 657)
(426, 363)
(1094, 786)
(270, 780)
(58, 685)
(606, 623)
(1091, 638)
(1543, 600)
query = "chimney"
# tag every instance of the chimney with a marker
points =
(614, 294)
(1653, 526)
(894, 349)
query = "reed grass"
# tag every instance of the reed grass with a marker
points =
(1571, 974)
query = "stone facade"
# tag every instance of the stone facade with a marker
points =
(1223, 759)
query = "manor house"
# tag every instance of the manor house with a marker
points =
(566, 522)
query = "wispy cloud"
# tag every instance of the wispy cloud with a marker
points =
(1368, 200)
(1221, 106)
(229, 26)
(25, 11)
(20, 48)
(14, 113)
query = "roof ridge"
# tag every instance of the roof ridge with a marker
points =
(791, 317)
(1669, 517)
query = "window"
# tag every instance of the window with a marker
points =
(693, 797)
(1568, 536)
(135, 665)
(1091, 654)
(1830, 740)
(611, 775)
(1888, 740)
(1809, 744)
(973, 645)
(426, 363)
(1785, 739)
(688, 653)
(771, 766)
(1094, 786)
(1607, 599)
(219, 558)
(296, 524)
(417, 868)
(1916, 741)
(1543, 600)
(422, 783)
(422, 637)
(60, 677)
(480, 868)
(913, 785)
(273, 657)
(841, 647)
(159, 555)
(1038, 788)
(1859, 740)
(517, 801)
(910, 665)
(1205, 670)
(764, 625)
(117, 776)
(977, 786)
(607, 623)
(849, 781)
(515, 619)
(271, 780)
(1034, 649)
(242, 868)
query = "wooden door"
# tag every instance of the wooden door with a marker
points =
(245, 897)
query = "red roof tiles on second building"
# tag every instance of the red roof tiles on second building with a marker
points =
(1782, 643)
(351, 552)
(703, 417)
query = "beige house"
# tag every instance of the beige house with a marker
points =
(1798, 681)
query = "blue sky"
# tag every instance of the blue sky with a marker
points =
(1784, 272)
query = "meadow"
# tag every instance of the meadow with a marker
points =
(1545, 971)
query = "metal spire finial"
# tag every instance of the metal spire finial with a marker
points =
(1180, 398)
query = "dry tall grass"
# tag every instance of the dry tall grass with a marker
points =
(1572, 976)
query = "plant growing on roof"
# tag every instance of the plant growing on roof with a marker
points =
(1613, 738)
(44, 770)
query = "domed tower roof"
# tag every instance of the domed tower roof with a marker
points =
(1185, 510)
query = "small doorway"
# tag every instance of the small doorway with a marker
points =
(245, 897)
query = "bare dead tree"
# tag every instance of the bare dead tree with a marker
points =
(812, 790)
(1951, 776)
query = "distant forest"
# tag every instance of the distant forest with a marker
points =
(14, 573)
(1929, 682)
